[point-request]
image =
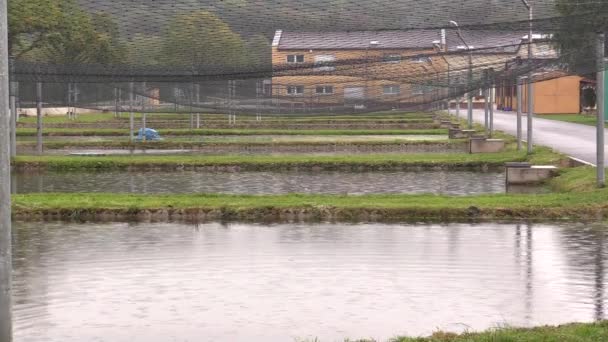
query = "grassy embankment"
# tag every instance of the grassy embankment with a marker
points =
(577, 332)
(575, 197)
(583, 119)
(68, 132)
(275, 162)
(151, 117)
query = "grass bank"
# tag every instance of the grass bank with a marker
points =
(574, 200)
(104, 117)
(244, 144)
(578, 332)
(26, 132)
(277, 162)
(583, 119)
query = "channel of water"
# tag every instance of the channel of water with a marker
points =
(239, 282)
(339, 182)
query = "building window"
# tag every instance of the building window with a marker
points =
(420, 89)
(325, 63)
(391, 89)
(391, 58)
(324, 90)
(292, 59)
(421, 59)
(295, 90)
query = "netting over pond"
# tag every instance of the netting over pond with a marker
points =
(278, 56)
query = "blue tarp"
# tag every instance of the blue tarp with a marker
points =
(149, 133)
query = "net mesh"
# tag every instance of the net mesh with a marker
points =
(281, 57)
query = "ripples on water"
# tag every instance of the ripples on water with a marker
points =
(439, 182)
(236, 282)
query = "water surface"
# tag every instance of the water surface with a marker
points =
(402, 182)
(236, 282)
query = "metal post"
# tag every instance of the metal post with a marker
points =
(75, 96)
(486, 106)
(131, 115)
(470, 95)
(13, 104)
(520, 102)
(39, 117)
(458, 108)
(6, 321)
(198, 120)
(191, 105)
(448, 88)
(492, 99)
(530, 88)
(143, 109)
(258, 94)
(115, 102)
(601, 165)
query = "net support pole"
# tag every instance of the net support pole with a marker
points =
(6, 321)
(519, 111)
(601, 107)
(131, 115)
(486, 108)
(13, 107)
(39, 117)
(115, 102)
(470, 94)
(491, 90)
(530, 87)
(143, 109)
(75, 97)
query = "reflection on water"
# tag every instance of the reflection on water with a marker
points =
(440, 182)
(212, 282)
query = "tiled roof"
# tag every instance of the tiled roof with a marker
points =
(486, 41)
(358, 40)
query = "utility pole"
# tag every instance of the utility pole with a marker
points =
(601, 108)
(6, 320)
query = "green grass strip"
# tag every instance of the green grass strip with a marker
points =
(123, 162)
(582, 119)
(579, 332)
(23, 132)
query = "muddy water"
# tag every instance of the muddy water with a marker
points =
(212, 282)
(439, 182)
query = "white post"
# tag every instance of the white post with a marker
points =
(601, 165)
(6, 321)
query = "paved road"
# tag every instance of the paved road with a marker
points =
(572, 139)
